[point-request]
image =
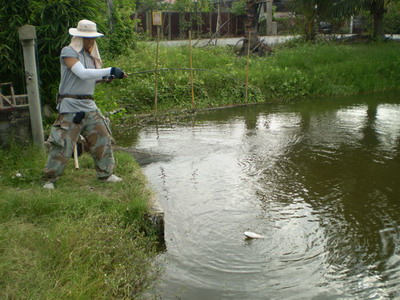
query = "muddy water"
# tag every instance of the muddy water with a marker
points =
(320, 180)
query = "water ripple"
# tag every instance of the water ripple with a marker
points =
(320, 184)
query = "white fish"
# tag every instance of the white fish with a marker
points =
(252, 235)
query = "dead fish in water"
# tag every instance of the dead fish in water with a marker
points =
(252, 235)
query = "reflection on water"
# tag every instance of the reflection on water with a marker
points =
(318, 179)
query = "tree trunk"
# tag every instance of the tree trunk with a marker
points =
(310, 29)
(310, 13)
(250, 26)
(377, 12)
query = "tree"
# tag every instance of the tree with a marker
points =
(377, 9)
(121, 34)
(252, 9)
(193, 8)
(239, 8)
(310, 11)
(392, 18)
(252, 15)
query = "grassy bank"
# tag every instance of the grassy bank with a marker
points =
(84, 240)
(293, 72)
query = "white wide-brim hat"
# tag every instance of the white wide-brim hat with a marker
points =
(86, 29)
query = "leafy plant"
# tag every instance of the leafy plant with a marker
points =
(392, 18)
(239, 8)
(121, 34)
(376, 8)
(52, 18)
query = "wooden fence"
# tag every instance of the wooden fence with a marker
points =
(11, 101)
(176, 25)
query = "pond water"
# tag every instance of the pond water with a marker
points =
(318, 179)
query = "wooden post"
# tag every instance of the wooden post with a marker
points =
(27, 36)
(148, 23)
(269, 17)
(157, 21)
(229, 24)
(236, 25)
(247, 69)
(157, 72)
(13, 94)
(191, 67)
(169, 25)
(218, 21)
(210, 16)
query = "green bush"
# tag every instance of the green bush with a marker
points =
(239, 8)
(392, 18)
(120, 35)
(52, 20)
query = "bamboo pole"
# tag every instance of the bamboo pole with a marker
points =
(157, 73)
(191, 67)
(247, 68)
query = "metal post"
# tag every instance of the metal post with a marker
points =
(27, 36)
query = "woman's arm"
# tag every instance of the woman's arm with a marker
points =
(70, 61)
(85, 74)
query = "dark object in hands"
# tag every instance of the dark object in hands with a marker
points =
(117, 72)
(78, 117)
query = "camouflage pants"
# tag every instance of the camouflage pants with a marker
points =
(63, 137)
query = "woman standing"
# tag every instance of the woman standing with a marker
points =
(81, 67)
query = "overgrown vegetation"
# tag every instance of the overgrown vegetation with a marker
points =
(296, 70)
(52, 20)
(392, 18)
(121, 32)
(84, 240)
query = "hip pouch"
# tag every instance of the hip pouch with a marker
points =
(78, 117)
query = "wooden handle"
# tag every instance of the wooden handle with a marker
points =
(76, 162)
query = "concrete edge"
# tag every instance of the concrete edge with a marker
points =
(156, 217)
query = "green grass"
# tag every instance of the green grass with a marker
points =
(294, 71)
(84, 240)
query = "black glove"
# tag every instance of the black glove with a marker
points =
(117, 72)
